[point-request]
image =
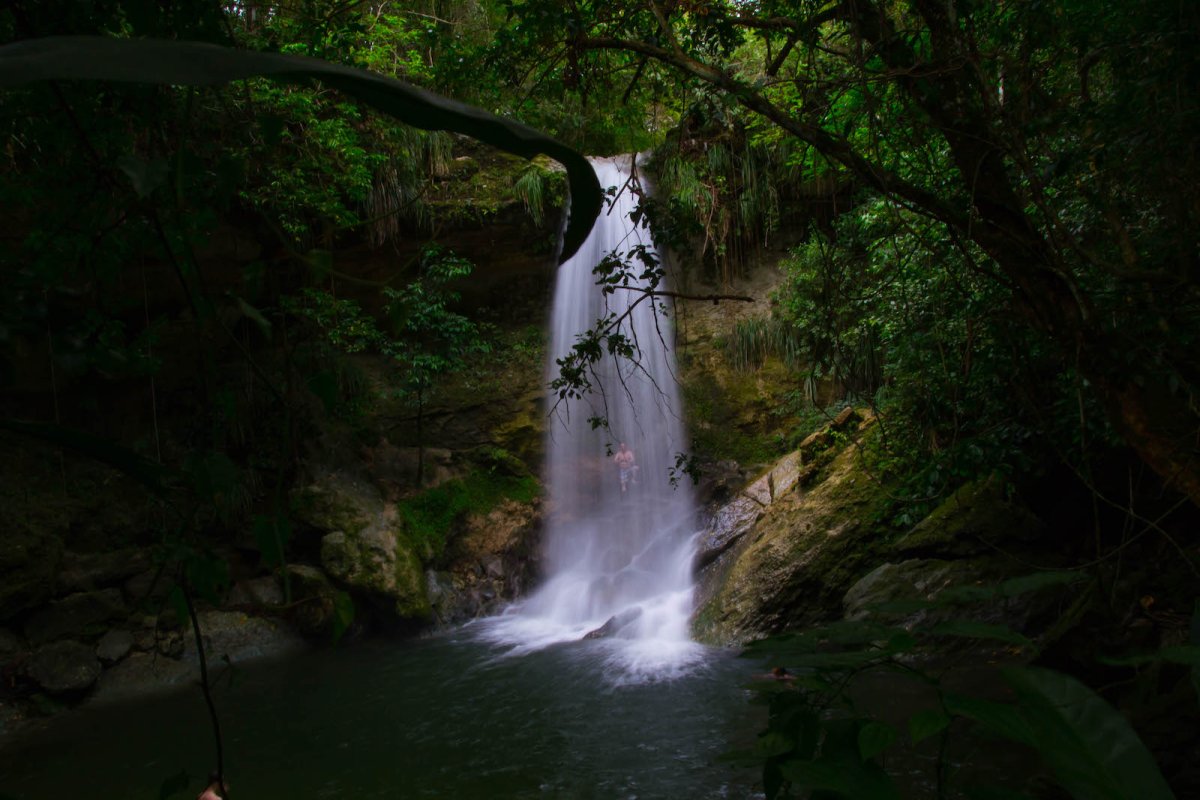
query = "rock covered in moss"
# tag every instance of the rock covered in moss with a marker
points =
(796, 562)
(971, 522)
(377, 561)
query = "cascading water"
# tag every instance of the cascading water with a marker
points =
(615, 558)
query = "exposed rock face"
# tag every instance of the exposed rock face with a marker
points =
(492, 562)
(64, 667)
(792, 565)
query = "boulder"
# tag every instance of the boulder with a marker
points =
(235, 636)
(337, 502)
(64, 667)
(114, 645)
(377, 561)
(615, 624)
(85, 572)
(84, 614)
(256, 592)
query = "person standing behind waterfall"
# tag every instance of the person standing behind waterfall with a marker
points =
(625, 466)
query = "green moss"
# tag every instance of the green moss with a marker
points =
(429, 518)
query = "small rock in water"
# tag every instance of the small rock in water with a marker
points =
(615, 624)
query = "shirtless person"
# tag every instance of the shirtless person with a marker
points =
(214, 791)
(624, 461)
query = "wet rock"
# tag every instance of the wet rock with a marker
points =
(491, 562)
(84, 572)
(64, 667)
(78, 615)
(734, 519)
(615, 624)
(114, 645)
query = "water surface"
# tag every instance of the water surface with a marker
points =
(449, 716)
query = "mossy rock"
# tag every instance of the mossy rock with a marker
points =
(375, 561)
(970, 522)
(795, 565)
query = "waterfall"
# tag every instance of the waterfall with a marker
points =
(617, 558)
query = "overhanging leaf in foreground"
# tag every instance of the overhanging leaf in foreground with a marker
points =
(170, 63)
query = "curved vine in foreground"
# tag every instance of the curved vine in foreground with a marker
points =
(170, 63)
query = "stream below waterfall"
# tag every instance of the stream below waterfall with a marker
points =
(448, 716)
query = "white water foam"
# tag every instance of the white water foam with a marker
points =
(617, 558)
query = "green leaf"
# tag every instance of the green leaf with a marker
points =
(773, 744)
(343, 614)
(968, 629)
(1038, 580)
(272, 533)
(874, 738)
(175, 63)
(1093, 751)
(1000, 719)
(179, 604)
(924, 724)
